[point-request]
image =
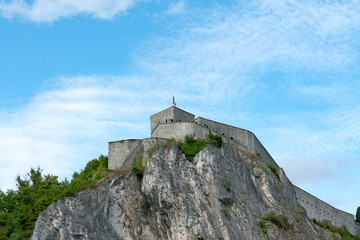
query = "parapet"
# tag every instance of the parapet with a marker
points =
(320, 210)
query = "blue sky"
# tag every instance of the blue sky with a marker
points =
(77, 74)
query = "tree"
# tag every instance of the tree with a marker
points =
(357, 217)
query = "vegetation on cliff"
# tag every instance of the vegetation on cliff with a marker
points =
(343, 232)
(34, 192)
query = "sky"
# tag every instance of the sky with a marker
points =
(77, 74)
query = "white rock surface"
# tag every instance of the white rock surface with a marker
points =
(178, 199)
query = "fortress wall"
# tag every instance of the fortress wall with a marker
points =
(123, 153)
(265, 155)
(182, 116)
(239, 135)
(179, 130)
(160, 117)
(320, 210)
(177, 114)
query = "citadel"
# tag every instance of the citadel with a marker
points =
(174, 122)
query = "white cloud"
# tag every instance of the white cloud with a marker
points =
(50, 11)
(176, 8)
(65, 127)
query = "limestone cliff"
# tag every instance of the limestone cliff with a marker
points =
(220, 195)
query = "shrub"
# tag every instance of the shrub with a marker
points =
(342, 231)
(227, 186)
(263, 225)
(191, 149)
(273, 169)
(279, 220)
(357, 216)
(169, 143)
(145, 205)
(226, 212)
(153, 149)
(190, 138)
(138, 166)
(214, 139)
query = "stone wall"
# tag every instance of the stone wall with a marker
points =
(179, 130)
(123, 153)
(320, 210)
(242, 136)
(174, 113)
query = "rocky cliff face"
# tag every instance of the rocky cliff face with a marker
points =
(220, 195)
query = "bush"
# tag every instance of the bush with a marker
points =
(263, 225)
(153, 149)
(342, 231)
(357, 216)
(145, 205)
(227, 186)
(273, 169)
(279, 220)
(169, 143)
(190, 149)
(226, 212)
(214, 139)
(138, 166)
(190, 138)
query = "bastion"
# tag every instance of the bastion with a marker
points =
(176, 123)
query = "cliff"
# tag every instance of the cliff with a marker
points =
(221, 194)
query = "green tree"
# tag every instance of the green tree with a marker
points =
(20, 208)
(357, 217)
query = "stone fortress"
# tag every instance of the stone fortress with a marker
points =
(176, 123)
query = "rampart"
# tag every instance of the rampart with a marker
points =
(320, 210)
(201, 126)
(123, 153)
(239, 135)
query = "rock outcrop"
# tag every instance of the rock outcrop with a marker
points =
(221, 194)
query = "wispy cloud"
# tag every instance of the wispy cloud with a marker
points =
(49, 11)
(176, 8)
(64, 127)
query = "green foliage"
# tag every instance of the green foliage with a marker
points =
(226, 212)
(263, 225)
(357, 216)
(279, 220)
(216, 140)
(208, 201)
(145, 205)
(169, 143)
(138, 167)
(190, 138)
(258, 154)
(20, 208)
(153, 149)
(192, 147)
(273, 169)
(342, 231)
(227, 186)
